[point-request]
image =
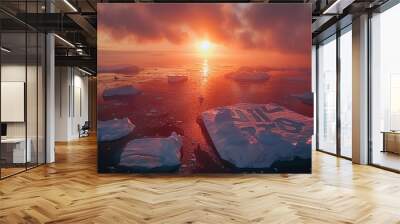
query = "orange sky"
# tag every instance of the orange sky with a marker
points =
(271, 35)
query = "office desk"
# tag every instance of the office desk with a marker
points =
(391, 141)
(16, 147)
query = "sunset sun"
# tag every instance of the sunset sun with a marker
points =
(205, 47)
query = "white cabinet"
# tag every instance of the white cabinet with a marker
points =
(19, 155)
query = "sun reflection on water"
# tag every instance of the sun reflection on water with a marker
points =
(205, 70)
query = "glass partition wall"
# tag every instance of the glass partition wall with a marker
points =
(334, 93)
(13, 122)
(22, 98)
(327, 95)
(345, 92)
(385, 89)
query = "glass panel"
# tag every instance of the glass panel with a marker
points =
(23, 82)
(13, 85)
(346, 94)
(31, 98)
(31, 88)
(385, 84)
(313, 83)
(327, 96)
(41, 98)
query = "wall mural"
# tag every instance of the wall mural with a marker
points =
(204, 88)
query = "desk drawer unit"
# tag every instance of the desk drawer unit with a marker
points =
(391, 142)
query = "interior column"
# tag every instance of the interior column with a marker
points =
(360, 90)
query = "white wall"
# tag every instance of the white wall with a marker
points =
(13, 72)
(70, 84)
(62, 81)
(80, 111)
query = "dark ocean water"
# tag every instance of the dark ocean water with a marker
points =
(166, 107)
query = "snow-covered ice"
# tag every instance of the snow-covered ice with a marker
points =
(121, 91)
(254, 136)
(247, 74)
(114, 129)
(306, 98)
(153, 154)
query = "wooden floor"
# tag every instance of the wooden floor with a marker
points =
(5, 172)
(387, 159)
(70, 191)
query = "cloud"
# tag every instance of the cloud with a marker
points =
(287, 27)
(249, 26)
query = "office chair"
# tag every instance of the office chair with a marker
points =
(84, 130)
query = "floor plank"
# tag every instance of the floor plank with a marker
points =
(71, 191)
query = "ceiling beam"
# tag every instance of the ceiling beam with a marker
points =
(79, 61)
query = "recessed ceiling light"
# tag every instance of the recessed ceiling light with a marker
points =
(84, 71)
(338, 6)
(64, 40)
(5, 50)
(70, 5)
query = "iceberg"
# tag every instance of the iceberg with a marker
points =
(177, 78)
(255, 136)
(153, 154)
(121, 91)
(114, 129)
(247, 74)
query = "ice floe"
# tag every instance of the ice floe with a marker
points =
(248, 74)
(254, 136)
(153, 154)
(114, 129)
(121, 69)
(127, 90)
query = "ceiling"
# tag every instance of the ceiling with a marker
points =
(75, 21)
